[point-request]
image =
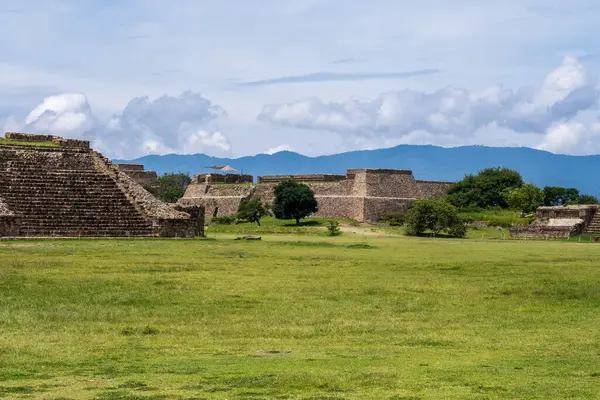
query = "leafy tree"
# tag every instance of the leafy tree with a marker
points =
(252, 210)
(435, 215)
(294, 200)
(587, 199)
(558, 196)
(484, 189)
(169, 187)
(525, 198)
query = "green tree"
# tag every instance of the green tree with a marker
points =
(525, 198)
(252, 210)
(485, 188)
(435, 215)
(169, 187)
(587, 199)
(294, 200)
(558, 196)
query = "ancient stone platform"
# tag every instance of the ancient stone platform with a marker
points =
(56, 187)
(361, 194)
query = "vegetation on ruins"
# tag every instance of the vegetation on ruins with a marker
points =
(587, 199)
(293, 200)
(169, 187)
(435, 216)
(252, 210)
(12, 142)
(306, 317)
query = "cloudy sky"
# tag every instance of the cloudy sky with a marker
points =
(233, 78)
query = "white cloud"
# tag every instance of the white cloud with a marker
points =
(65, 114)
(564, 93)
(277, 149)
(167, 124)
(572, 138)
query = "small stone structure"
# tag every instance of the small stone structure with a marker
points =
(69, 190)
(138, 173)
(361, 194)
(560, 222)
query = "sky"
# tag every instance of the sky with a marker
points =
(233, 78)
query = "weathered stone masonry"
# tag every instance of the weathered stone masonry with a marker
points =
(70, 190)
(361, 194)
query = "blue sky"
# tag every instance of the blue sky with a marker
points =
(234, 78)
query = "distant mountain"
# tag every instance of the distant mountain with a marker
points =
(427, 162)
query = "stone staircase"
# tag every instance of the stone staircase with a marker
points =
(593, 227)
(67, 200)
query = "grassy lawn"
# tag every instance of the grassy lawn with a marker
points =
(4, 141)
(299, 317)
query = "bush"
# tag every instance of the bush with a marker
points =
(394, 218)
(587, 199)
(333, 229)
(224, 220)
(294, 200)
(435, 215)
(252, 210)
(527, 198)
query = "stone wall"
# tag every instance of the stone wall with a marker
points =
(274, 179)
(52, 158)
(9, 221)
(138, 173)
(363, 194)
(429, 189)
(230, 179)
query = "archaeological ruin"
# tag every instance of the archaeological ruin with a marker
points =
(56, 187)
(360, 194)
(560, 222)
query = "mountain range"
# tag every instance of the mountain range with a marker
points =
(427, 163)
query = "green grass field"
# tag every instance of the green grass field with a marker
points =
(299, 317)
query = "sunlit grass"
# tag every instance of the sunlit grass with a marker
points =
(299, 317)
(4, 141)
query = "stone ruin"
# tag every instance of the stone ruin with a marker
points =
(361, 194)
(138, 173)
(51, 186)
(560, 222)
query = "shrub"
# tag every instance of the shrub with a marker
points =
(294, 200)
(224, 220)
(435, 215)
(394, 218)
(587, 199)
(333, 229)
(252, 210)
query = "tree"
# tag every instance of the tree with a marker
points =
(252, 210)
(484, 189)
(525, 198)
(587, 199)
(435, 215)
(169, 187)
(559, 196)
(294, 200)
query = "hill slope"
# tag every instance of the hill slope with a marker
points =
(427, 162)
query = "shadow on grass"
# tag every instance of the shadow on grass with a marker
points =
(305, 223)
